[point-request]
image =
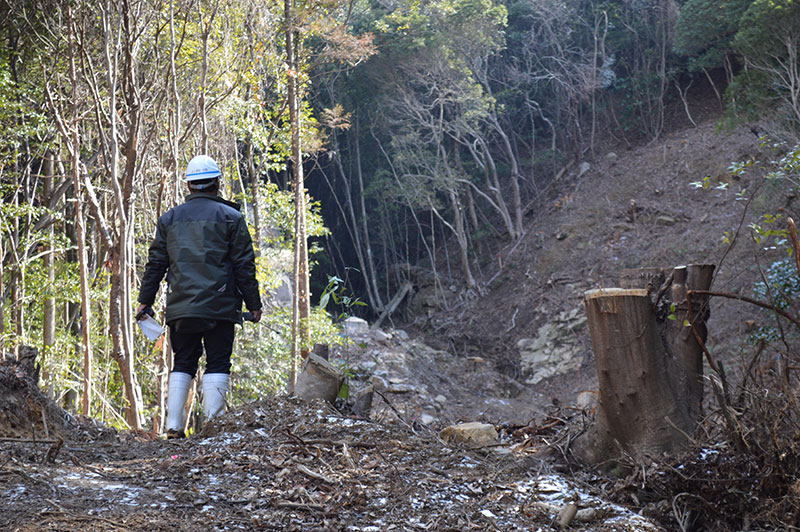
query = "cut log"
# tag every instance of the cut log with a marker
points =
(649, 364)
(363, 402)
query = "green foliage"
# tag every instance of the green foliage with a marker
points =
(768, 39)
(765, 26)
(705, 30)
(771, 232)
(782, 288)
(261, 360)
(337, 291)
(19, 119)
(748, 97)
(782, 283)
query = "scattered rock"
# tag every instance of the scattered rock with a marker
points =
(380, 336)
(379, 383)
(473, 433)
(440, 399)
(611, 157)
(665, 220)
(402, 387)
(583, 168)
(426, 419)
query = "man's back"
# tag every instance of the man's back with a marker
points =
(207, 252)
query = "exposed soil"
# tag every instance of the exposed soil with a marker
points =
(634, 208)
(281, 464)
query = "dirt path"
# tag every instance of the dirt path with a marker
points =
(281, 464)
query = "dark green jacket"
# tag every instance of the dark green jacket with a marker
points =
(205, 249)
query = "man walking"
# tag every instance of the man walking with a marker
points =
(205, 249)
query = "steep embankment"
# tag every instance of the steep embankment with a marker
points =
(623, 209)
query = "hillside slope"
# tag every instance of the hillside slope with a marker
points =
(630, 209)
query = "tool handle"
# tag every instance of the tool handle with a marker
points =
(248, 316)
(146, 310)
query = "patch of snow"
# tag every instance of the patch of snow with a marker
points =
(223, 439)
(13, 493)
(121, 493)
(706, 453)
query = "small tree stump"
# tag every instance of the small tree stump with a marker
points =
(318, 380)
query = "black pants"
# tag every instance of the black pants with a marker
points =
(189, 336)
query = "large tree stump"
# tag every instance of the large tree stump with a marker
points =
(649, 364)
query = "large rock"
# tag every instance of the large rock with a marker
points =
(355, 327)
(555, 349)
(474, 433)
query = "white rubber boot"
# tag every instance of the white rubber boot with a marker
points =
(179, 384)
(215, 386)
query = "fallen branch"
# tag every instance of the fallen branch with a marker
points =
(403, 421)
(300, 506)
(746, 299)
(328, 441)
(27, 440)
(78, 517)
(313, 474)
(393, 304)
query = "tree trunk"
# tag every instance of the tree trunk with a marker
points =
(2, 301)
(49, 320)
(372, 276)
(461, 238)
(17, 273)
(649, 364)
(80, 236)
(255, 182)
(301, 308)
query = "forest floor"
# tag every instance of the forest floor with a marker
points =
(281, 464)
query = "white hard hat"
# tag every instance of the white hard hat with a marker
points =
(202, 167)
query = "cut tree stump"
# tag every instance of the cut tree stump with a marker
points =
(319, 380)
(25, 411)
(649, 364)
